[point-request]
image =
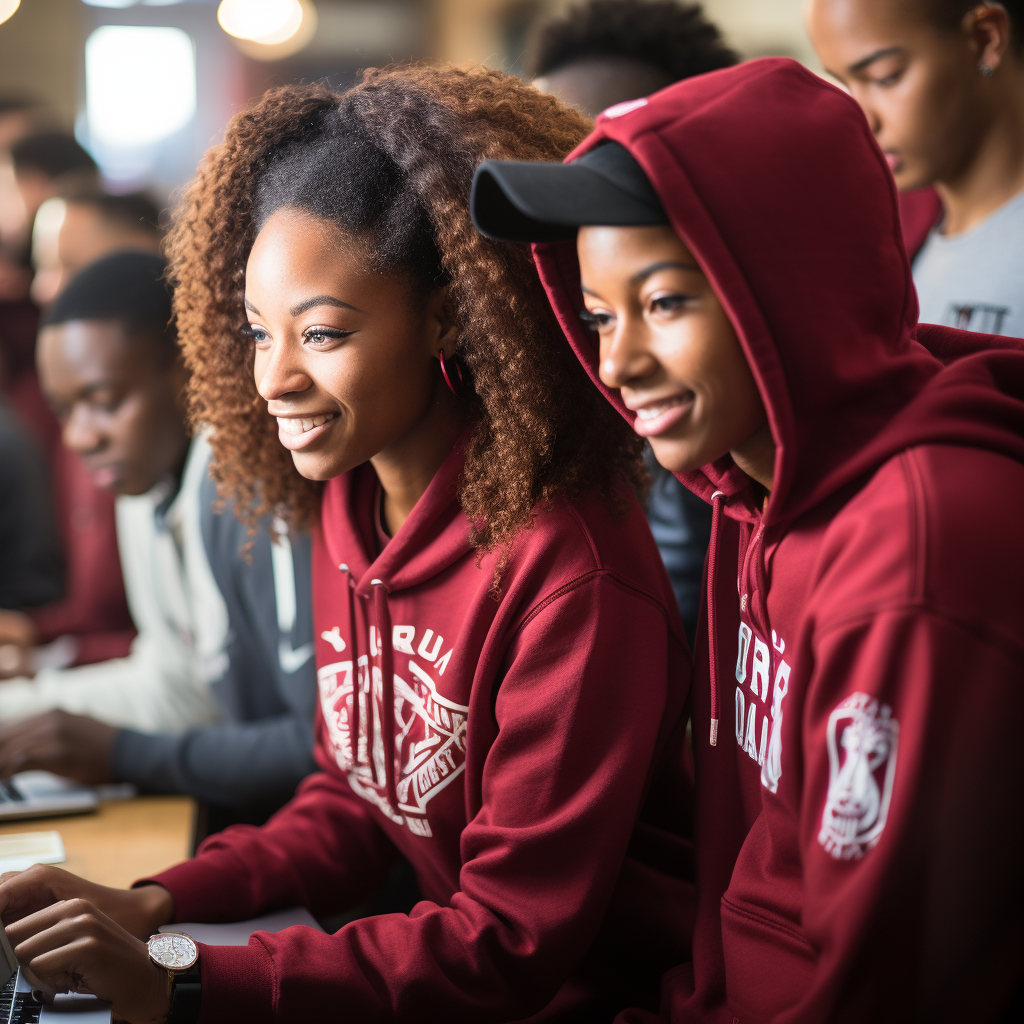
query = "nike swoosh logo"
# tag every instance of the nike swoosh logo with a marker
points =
(292, 661)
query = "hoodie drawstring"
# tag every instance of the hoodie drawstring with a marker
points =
(716, 515)
(350, 594)
(387, 672)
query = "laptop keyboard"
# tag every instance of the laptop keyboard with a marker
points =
(18, 1007)
(9, 794)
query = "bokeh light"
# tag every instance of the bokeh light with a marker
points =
(7, 8)
(140, 84)
(270, 21)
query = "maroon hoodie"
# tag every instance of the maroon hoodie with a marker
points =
(503, 747)
(861, 654)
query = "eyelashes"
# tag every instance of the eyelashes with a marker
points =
(325, 332)
(310, 334)
(592, 321)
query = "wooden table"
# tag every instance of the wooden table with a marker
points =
(123, 840)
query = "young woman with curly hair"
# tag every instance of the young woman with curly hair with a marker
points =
(501, 665)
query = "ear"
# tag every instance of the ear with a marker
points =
(988, 27)
(443, 330)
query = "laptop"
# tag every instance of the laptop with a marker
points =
(39, 794)
(19, 1006)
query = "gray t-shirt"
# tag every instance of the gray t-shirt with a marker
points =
(975, 280)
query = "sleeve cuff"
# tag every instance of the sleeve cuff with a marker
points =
(203, 890)
(238, 983)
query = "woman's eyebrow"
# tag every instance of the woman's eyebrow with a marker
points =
(322, 300)
(641, 275)
(252, 309)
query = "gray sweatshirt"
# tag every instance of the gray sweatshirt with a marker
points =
(263, 745)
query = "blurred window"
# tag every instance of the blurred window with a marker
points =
(140, 84)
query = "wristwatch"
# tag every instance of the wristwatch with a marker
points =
(179, 956)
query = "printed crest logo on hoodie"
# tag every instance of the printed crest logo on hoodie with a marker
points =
(430, 729)
(862, 738)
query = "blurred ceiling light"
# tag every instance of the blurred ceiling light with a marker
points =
(7, 8)
(292, 36)
(140, 84)
(131, 3)
(260, 19)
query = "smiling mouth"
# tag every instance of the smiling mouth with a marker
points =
(657, 418)
(652, 412)
(296, 425)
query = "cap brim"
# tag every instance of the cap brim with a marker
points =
(524, 201)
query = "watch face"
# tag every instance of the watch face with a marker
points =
(174, 951)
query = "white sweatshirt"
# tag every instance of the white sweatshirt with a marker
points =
(164, 683)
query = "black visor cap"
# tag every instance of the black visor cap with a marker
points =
(533, 201)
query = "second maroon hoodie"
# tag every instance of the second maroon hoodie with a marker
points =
(504, 747)
(858, 691)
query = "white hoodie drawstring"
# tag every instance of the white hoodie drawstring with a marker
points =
(716, 515)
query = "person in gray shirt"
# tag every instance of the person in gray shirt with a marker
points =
(251, 762)
(974, 280)
(942, 85)
(248, 764)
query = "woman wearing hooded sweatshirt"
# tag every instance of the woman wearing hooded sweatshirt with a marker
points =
(501, 666)
(857, 698)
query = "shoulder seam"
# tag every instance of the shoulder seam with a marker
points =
(982, 632)
(578, 581)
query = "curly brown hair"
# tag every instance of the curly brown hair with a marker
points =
(542, 429)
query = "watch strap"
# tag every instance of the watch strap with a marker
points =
(186, 996)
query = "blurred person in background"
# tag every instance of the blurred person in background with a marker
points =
(594, 56)
(31, 570)
(85, 226)
(47, 163)
(18, 115)
(216, 697)
(605, 52)
(942, 85)
(40, 166)
(92, 619)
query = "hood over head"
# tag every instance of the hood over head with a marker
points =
(772, 179)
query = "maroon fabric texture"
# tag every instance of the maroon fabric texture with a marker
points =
(920, 211)
(525, 755)
(856, 847)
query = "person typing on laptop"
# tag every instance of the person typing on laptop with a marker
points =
(222, 669)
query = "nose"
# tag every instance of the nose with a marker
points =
(279, 371)
(80, 434)
(625, 355)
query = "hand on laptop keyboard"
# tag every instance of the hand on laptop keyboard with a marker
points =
(73, 947)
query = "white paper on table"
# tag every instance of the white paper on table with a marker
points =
(236, 933)
(21, 850)
(79, 1008)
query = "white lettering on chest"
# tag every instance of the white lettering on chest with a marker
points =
(758, 727)
(430, 729)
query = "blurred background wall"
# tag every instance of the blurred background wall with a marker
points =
(147, 85)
